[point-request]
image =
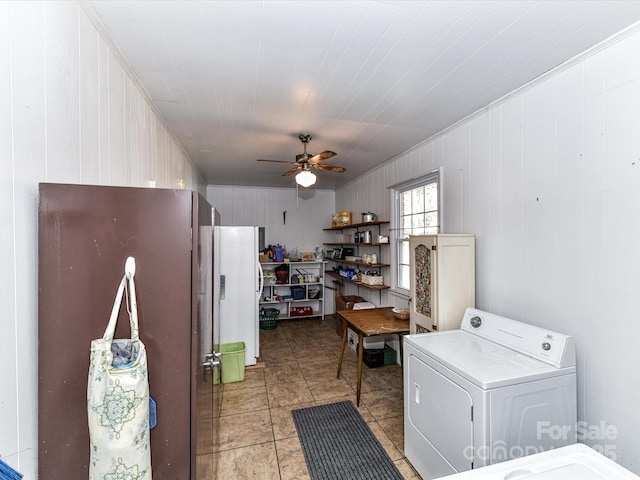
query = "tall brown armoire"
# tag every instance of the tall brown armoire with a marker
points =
(85, 235)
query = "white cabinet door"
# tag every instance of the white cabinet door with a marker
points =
(423, 298)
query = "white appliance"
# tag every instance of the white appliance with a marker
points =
(573, 462)
(240, 286)
(494, 390)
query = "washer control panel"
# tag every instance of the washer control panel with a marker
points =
(550, 347)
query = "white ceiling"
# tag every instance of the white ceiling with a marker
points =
(238, 80)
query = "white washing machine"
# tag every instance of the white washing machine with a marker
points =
(573, 462)
(494, 390)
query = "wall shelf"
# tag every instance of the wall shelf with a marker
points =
(358, 246)
(360, 264)
(359, 284)
(356, 225)
(351, 244)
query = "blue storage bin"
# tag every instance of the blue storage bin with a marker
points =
(297, 292)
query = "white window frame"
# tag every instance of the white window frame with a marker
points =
(396, 230)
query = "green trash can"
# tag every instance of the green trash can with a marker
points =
(232, 362)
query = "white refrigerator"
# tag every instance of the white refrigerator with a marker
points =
(239, 287)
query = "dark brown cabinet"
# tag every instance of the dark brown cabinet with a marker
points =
(85, 235)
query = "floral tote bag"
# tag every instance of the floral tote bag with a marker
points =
(118, 396)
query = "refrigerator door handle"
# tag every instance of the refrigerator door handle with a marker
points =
(260, 279)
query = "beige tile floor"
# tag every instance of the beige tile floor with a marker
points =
(255, 437)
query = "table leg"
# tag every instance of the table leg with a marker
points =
(360, 352)
(344, 343)
(400, 341)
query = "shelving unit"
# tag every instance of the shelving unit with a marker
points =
(358, 246)
(294, 294)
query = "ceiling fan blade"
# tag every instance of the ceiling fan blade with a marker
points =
(331, 168)
(276, 161)
(322, 156)
(292, 171)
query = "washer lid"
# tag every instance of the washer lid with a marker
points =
(573, 462)
(480, 361)
(566, 472)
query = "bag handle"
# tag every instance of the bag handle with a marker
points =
(127, 286)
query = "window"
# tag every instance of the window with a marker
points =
(416, 210)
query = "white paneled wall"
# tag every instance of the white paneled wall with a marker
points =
(308, 211)
(70, 114)
(549, 182)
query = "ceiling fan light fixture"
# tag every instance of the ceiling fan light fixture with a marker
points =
(306, 161)
(305, 178)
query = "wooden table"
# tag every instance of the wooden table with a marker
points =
(368, 322)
